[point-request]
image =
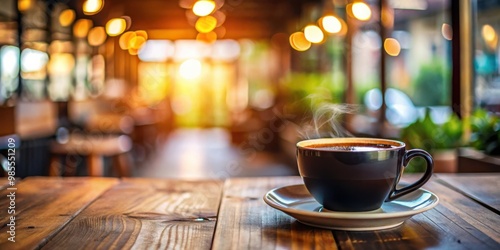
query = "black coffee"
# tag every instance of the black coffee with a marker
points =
(349, 195)
(351, 147)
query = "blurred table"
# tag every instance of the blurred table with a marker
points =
(111, 213)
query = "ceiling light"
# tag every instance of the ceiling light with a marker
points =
(115, 26)
(203, 7)
(92, 7)
(361, 11)
(313, 34)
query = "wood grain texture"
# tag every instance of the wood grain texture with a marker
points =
(146, 214)
(246, 222)
(484, 188)
(457, 222)
(44, 205)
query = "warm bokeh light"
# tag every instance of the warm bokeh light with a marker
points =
(490, 37)
(66, 17)
(446, 31)
(82, 27)
(209, 37)
(361, 11)
(206, 24)
(203, 7)
(61, 63)
(116, 26)
(488, 33)
(313, 34)
(97, 36)
(92, 7)
(133, 52)
(24, 5)
(136, 42)
(299, 42)
(125, 39)
(190, 69)
(142, 33)
(392, 47)
(331, 24)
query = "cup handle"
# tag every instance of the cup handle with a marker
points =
(407, 157)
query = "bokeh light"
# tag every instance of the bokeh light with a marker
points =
(203, 7)
(190, 69)
(133, 52)
(313, 34)
(488, 33)
(125, 38)
(206, 24)
(97, 36)
(209, 37)
(331, 24)
(116, 26)
(24, 5)
(360, 11)
(136, 42)
(82, 27)
(392, 47)
(67, 17)
(142, 33)
(447, 31)
(61, 63)
(299, 42)
(92, 7)
(490, 37)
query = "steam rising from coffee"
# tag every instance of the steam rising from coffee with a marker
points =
(326, 121)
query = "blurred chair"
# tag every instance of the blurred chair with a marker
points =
(95, 131)
(94, 147)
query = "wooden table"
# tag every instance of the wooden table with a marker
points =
(110, 213)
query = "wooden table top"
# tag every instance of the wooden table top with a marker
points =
(111, 213)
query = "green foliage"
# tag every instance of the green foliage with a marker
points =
(432, 85)
(307, 88)
(485, 129)
(429, 136)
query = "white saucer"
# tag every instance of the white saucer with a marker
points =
(296, 201)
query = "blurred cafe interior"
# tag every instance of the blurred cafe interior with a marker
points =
(225, 88)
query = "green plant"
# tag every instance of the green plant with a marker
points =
(434, 75)
(485, 128)
(307, 90)
(432, 137)
(427, 135)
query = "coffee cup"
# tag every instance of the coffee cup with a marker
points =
(357, 174)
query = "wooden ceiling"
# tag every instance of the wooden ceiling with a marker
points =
(165, 19)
